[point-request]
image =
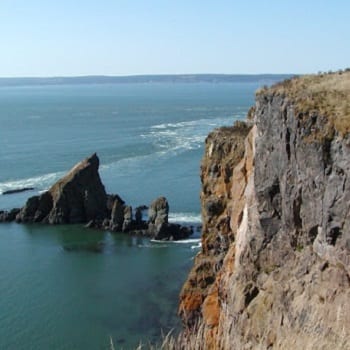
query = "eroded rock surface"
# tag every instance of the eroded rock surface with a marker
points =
(158, 226)
(76, 198)
(80, 197)
(274, 270)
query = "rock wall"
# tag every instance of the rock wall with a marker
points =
(274, 268)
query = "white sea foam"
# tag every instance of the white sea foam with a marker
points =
(182, 241)
(185, 135)
(39, 182)
(197, 246)
(185, 218)
(187, 241)
(169, 139)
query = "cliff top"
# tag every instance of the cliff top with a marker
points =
(328, 94)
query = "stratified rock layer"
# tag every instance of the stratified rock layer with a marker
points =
(274, 270)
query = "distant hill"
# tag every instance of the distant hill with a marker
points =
(137, 79)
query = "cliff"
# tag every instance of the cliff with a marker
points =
(274, 269)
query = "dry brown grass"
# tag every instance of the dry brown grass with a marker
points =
(327, 94)
(193, 341)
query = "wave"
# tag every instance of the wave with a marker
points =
(197, 246)
(185, 218)
(185, 135)
(182, 241)
(40, 183)
(166, 140)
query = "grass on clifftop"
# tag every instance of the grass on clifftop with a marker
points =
(327, 93)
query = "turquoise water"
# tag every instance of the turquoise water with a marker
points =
(66, 287)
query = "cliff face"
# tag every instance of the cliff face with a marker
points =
(274, 270)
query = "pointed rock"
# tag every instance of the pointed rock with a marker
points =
(76, 198)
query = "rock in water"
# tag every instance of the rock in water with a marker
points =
(158, 226)
(127, 222)
(117, 216)
(8, 216)
(76, 198)
(18, 190)
(158, 217)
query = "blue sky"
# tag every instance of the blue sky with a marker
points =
(115, 37)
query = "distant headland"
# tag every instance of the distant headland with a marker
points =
(144, 79)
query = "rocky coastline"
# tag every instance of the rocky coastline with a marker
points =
(80, 197)
(274, 268)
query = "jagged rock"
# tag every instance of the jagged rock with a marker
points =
(111, 198)
(36, 208)
(138, 216)
(158, 226)
(117, 216)
(8, 216)
(127, 219)
(158, 211)
(158, 217)
(76, 198)
(274, 269)
(80, 197)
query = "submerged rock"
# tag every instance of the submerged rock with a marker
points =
(18, 190)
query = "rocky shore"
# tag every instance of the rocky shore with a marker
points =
(80, 197)
(274, 268)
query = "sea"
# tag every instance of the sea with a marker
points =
(68, 287)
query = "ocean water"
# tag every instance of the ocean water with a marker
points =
(66, 287)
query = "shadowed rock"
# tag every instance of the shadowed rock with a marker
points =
(158, 226)
(18, 190)
(76, 198)
(80, 197)
(8, 216)
(274, 268)
(158, 212)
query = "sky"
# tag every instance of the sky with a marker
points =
(127, 37)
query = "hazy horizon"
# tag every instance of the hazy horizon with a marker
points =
(145, 75)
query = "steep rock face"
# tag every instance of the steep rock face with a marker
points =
(78, 197)
(224, 149)
(282, 277)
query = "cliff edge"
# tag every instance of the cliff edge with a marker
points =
(274, 268)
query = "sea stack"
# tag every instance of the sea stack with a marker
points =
(274, 268)
(76, 198)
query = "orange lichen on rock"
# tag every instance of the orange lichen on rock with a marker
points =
(274, 269)
(211, 308)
